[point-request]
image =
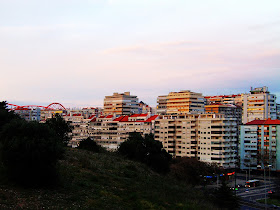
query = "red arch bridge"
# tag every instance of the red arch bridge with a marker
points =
(52, 106)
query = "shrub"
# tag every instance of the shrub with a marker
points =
(192, 170)
(146, 150)
(29, 152)
(90, 145)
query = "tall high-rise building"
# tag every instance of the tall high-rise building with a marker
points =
(258, 104)
(210, 138)
(184, 102)
(121, 104)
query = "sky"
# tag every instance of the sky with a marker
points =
(76, 52)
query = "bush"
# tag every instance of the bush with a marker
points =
(29, 151)
(192, 170)
(146, 150)
(90, 145)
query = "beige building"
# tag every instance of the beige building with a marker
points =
(162, 105)
(185, 102)
(208, 137)
(121, 104)
(111, 131)
(233, 99)
(258, 104)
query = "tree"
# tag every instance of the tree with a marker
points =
(6, 115)
(29, 151)
(60, 127)
(224, 198)
(90, 145)
(146, 150)
(192, 170)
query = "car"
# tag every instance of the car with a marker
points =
(247, 190)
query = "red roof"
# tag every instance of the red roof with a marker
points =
(77, 114)
(139, 115)
(92, 116)
(109, 116)
(152, 118)
(264, 122)
(122, 119)
(125, 118)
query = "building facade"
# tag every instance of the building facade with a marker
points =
(184, 102)
(258, 104)
(259, 144)
(233, 99)
(121, 104)
(109, 131)
(162, 105)
(210, 138)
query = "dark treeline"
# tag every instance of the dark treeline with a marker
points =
(29, 151)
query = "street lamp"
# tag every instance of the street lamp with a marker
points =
(269, 175)
(259, 166)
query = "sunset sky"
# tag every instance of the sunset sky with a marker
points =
(77, 51)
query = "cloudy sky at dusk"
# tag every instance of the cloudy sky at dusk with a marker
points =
(77, 51)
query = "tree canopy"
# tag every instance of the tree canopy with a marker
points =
(61, 128)
(146, 150)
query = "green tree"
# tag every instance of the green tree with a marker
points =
(6, 115)
(90, 145)
(30, 151)
(192, 170)
(224, 197)
(146, 150)
(61, 128)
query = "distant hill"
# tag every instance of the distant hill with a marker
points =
(104, 181)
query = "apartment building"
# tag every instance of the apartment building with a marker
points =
(232, 111)
(162, 104)
(233, 99)
(184, 102)
(29, 114)
(210, 138)
(110, 131)
(278, 111)
(259, 144)
(121, 104)
(258, 104)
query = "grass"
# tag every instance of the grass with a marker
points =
(104, 181)
(270, 201)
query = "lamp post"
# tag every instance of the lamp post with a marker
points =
(265, 202)
(269, 175)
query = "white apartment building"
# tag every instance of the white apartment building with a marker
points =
(258, 104)
(110, 131)
(210, 138)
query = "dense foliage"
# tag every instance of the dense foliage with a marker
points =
(146, 150)
(224, 198)
(61, 128)
(29, 151)
(90, 145)
(192, 170)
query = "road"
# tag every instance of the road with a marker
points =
(250, 196)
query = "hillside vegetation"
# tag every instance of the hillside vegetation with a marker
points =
(103, 181)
